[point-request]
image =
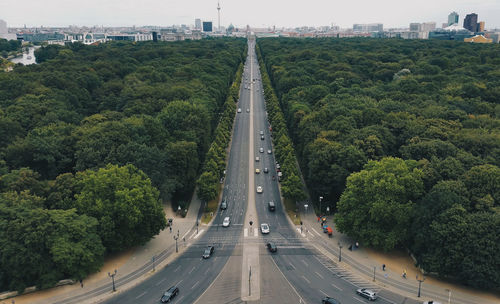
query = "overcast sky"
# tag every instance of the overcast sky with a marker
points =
(257, 13)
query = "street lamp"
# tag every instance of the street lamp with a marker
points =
(153, 260)
(374, 268)
(340, 255)
(305, 206)
(112, 276)
(420, 284)
(176, 248)
(320, 198)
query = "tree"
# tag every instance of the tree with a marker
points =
(375, 206)
(123, 201)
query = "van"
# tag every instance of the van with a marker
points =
(271, 206)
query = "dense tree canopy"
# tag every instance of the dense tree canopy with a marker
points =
(92, 138)
(352, 103)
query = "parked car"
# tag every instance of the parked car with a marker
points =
(328, 300)
(239, 110)
(208, 252)
(271, 247)
(264, 228)
(259, 189)
(226, 222)
(169, 294)
(269, 151)
(367, 293)
(257, 171)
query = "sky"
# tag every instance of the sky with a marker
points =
(256, 13)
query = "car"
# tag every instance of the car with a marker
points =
(264, 228)
(257, 171)
(271, 247)
(208, 252)
(223, 205)
(271, 206)
(269, 151)
(261, 150)
(328, 300)
(257, 158)
(266, 170)
(262, 137)
(431, 302)
(226, 222)
(367, 293)
(261, 132)
(239, 110)
(169, 294)
(248, 110)
(259, 189)
(277, 166)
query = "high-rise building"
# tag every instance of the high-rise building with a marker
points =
(218, 17)
(452, 18)
(3, 27)
(470, 22)
(207, 26)
(481, 26)
(415, 27)
(368, 28)
(197, 24)
(428, 26)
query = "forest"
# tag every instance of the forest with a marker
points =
(402, 140)
(93, 139)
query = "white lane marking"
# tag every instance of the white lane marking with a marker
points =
(255, 233)
(309, 282)
(192, 235)
(323, 292)
(184, 236)
(319, 275)
(135, 297)
(307, 265)
(316, 231)
(245, 232)
(180, 299)
(196, 236)
(175, 270)
(178, 283)
(191, 270)
(208, 269)
(335, 286)
(291, 265)
(215, 259)
(195, 284)
(159, 282)
(358, 300)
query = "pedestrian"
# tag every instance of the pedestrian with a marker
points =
(383, 267)
(318, 219)
(170, 229)
(404, 274)
(357, 244)
(81, 283)
(350, 247)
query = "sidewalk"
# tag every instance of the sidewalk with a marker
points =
(363, 260)
(132, 266)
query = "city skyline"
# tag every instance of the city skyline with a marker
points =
(259, 13)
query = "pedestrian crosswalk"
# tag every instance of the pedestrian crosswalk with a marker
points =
(345, 274)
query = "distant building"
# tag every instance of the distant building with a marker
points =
(415, 27)
(197, 24)
(130, 37)
(207, 26)
(495, 37)
(478, 39)
(3, 27)
(470, 22)
(368, 28)
(452, 18)
(40, 37)
(428, 26)
(481, 26)
(452, 32)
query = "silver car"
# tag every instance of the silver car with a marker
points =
(367, 293)
(264, 228)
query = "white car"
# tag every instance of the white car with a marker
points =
(259, 189)
(367, 293)
(261, 150)
(226, 222)
(248, 110)
(264, 228)
(239, 110)
(269, 151)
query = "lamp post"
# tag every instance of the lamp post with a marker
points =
(112, 276)
(196, 226)
(420, 284)
(176, 248)
(153, 260)
(305, 206)
(320, 199)
(340, 255)
(449, 295)
(374, 268)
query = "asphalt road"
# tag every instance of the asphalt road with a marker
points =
(297, 273)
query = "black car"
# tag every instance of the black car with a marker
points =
(262, 137)
(271, 247)
(208, 252)
(328, 300)
(169, 294)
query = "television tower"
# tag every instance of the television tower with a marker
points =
(218, 13)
